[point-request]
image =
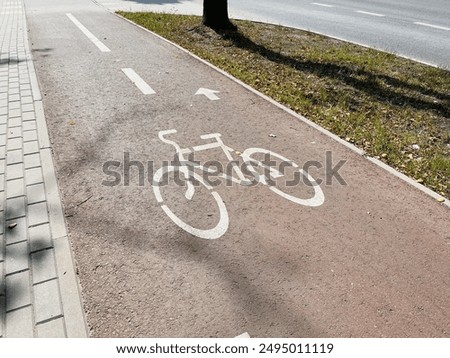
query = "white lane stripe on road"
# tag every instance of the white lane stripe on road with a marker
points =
(433, 26)
(320, 4)
(101, 46)
(369, 13)
(138, 81)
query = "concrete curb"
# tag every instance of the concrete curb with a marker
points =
(350, 146)
(70, 288)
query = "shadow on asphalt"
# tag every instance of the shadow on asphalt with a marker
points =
(15, 60)
(259, 295)
(42, 52)
(359, 79)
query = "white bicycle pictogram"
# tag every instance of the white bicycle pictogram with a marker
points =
(186, 169)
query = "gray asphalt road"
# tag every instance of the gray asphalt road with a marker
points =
(403, 27)
(371, 260)
(411, 28)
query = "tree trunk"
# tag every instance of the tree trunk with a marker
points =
(215, 15)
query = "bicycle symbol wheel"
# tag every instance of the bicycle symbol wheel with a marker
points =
(210, 234)
(249, 155)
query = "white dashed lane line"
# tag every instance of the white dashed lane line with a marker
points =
(320, 4)
(369, 13)
(438, 27)
(138, 81)
(433, 26)
(102, 47)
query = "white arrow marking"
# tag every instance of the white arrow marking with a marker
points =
(208, 93)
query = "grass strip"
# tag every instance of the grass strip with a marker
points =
(393, 108)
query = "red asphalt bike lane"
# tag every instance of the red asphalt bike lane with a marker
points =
(365, 259)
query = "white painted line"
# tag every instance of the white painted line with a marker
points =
(138, 81)
(202, 147)
(212, 234)
(320, 4)
(101, 46)
(370, 13)
(433, 26)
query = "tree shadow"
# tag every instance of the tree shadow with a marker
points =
(45, 49)
(16, 60)
(358, 78)
(258, 300)
(254, 297)
(16, 234)
(43, 52)
(11, 61)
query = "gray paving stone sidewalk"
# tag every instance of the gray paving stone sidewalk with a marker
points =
(39, 294)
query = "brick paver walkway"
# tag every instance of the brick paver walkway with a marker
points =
(39, 294)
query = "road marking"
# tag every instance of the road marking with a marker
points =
(370, 13)
(188, 172)
(208, 93)
(138, 81)
(433, 26)
(243, 335)
(101, 46)
(303, 119)
(320, 4)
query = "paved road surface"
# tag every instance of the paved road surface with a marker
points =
(411, 28)
(371, 260)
